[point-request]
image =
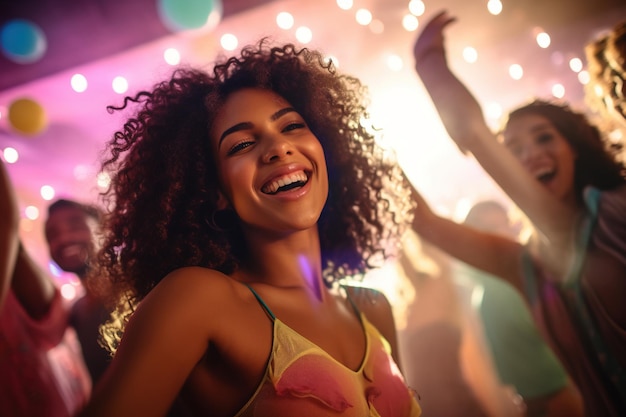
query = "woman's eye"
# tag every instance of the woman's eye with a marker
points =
(293, 126)
(546, 137)
(513, 147)
(239, 146)
(515, 150)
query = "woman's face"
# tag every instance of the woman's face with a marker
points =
(271, 166)
(544, 152)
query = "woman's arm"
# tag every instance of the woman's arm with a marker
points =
(462, 116)
(165, 338)
(32, 286)
(497, 255)
(9, 242)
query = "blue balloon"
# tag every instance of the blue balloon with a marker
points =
(22, 41)
(179, 15)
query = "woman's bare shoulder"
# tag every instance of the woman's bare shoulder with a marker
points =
(366, 297)
(193, 291)
(371, 302)
(376, 307)
(196, 273)
(197, 278)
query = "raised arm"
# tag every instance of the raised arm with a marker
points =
(489, 252)
(462, 117)
(32, 287)
(9, 241)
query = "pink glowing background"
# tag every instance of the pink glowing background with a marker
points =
(104, 40)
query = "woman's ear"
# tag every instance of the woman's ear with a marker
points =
(222, 202)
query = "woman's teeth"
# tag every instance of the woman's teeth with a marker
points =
(546, 175)
(287, 181)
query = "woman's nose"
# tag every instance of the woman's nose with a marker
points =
(277, 149)
(528, 153)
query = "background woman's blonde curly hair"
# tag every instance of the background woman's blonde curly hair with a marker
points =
(605, 93)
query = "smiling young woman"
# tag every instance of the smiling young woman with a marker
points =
(240, 199)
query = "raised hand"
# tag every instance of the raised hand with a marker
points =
(429, 45)
(459, 111)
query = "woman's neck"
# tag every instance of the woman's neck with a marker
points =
(292, 261)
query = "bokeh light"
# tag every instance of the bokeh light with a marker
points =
(31, 212)
(376, 26)
(229, 42)
(171, 56)
(363, 17)
(284, 20)
(543, 40)
(558, 90)
(22, 41)
(68, 291)
(103, 180)
(345, 4)
(81, 172)
(557, 58)
(470, 55)
(494, 7)
(79, 83)
(394, 62)
(576, 64)
(47, 192)
(10, 155)
(516, 71)
(27, 116)
(409, 22)
(181, 15)
(119, 84)
(304, 34)
(493, 111)
(417, 7)
(583, 77)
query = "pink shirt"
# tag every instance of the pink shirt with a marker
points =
(41, 369)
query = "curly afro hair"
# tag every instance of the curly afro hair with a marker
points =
(164, 184)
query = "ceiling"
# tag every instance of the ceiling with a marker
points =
(91, 29)
(102, 39)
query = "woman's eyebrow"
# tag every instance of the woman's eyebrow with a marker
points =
(281, 112)
(235, 128)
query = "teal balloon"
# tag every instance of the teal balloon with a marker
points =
(22, 41)
(180, 15)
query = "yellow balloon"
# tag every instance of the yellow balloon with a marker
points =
(27, 116)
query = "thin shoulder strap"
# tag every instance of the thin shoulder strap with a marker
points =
(260, 300)
(347, 290)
